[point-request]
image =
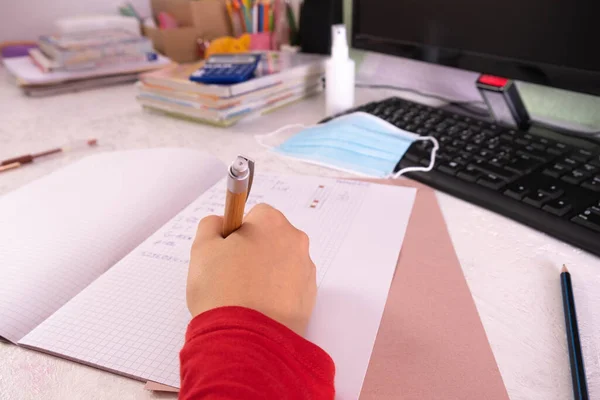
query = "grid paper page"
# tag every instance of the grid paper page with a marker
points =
(61, 232)
(133, 318)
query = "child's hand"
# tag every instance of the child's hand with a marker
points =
(265, 266)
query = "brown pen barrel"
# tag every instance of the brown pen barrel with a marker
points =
(234, 212)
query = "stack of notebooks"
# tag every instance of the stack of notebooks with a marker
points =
(281, 79)
(90, 50)
(83, 60)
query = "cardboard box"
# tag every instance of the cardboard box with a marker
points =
(180, 44)
(198, 19)
(210, 17)
(178, 9)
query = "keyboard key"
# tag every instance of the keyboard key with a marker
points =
(491, 181)
(523, 165)
(499, 161)
(595, 161)
(485, 154)
(478, 140)
(451, 150)
(450, 168)
(492, 145)
(555, 151)
(522, 141)
(544, 141)
(469, 174)
(399, 113)
(590, 219)
(507, 138)
(471, 148)
(593, 184)
(486, 133)
(557, 170)
(562, 146)
(488, 168)
(554, 191)
(558, 207)
(538, 199)
(570, 162)
(581, 155)
(590, 169)
(576, 176)
(454, 130)
(441, 127)
(461, 161)
(441, 157)
(538, 146)
(465, 155)
(533, 153)
(517, 192)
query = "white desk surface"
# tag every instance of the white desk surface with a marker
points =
(513, 271)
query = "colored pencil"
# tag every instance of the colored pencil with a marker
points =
(580, 390)
(16, 162)
(266, 16)
(247, 16)
(261, 19)
(255, 17)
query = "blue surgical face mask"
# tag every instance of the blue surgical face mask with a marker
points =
(359, 143)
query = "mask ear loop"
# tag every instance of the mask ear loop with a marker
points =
(436, 147)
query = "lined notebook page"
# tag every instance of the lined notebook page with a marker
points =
(61, 232)
(133, 318)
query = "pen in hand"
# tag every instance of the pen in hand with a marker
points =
(239, 183)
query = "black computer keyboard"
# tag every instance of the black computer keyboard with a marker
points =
(545, 180)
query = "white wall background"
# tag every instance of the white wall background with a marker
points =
(28, 19)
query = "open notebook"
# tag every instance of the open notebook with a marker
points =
(94, 258)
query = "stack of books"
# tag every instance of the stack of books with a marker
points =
(91, 50)
(281, 79)
(83, 60)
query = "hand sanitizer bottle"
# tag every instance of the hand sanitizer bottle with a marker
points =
(339, 75)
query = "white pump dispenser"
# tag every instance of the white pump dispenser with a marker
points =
(340, 74)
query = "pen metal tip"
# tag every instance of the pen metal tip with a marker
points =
(564, 269)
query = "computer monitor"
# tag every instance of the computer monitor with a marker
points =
(549, 42)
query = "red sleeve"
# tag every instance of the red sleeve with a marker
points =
(238, 353)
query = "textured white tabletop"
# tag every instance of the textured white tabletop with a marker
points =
(512, 270)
